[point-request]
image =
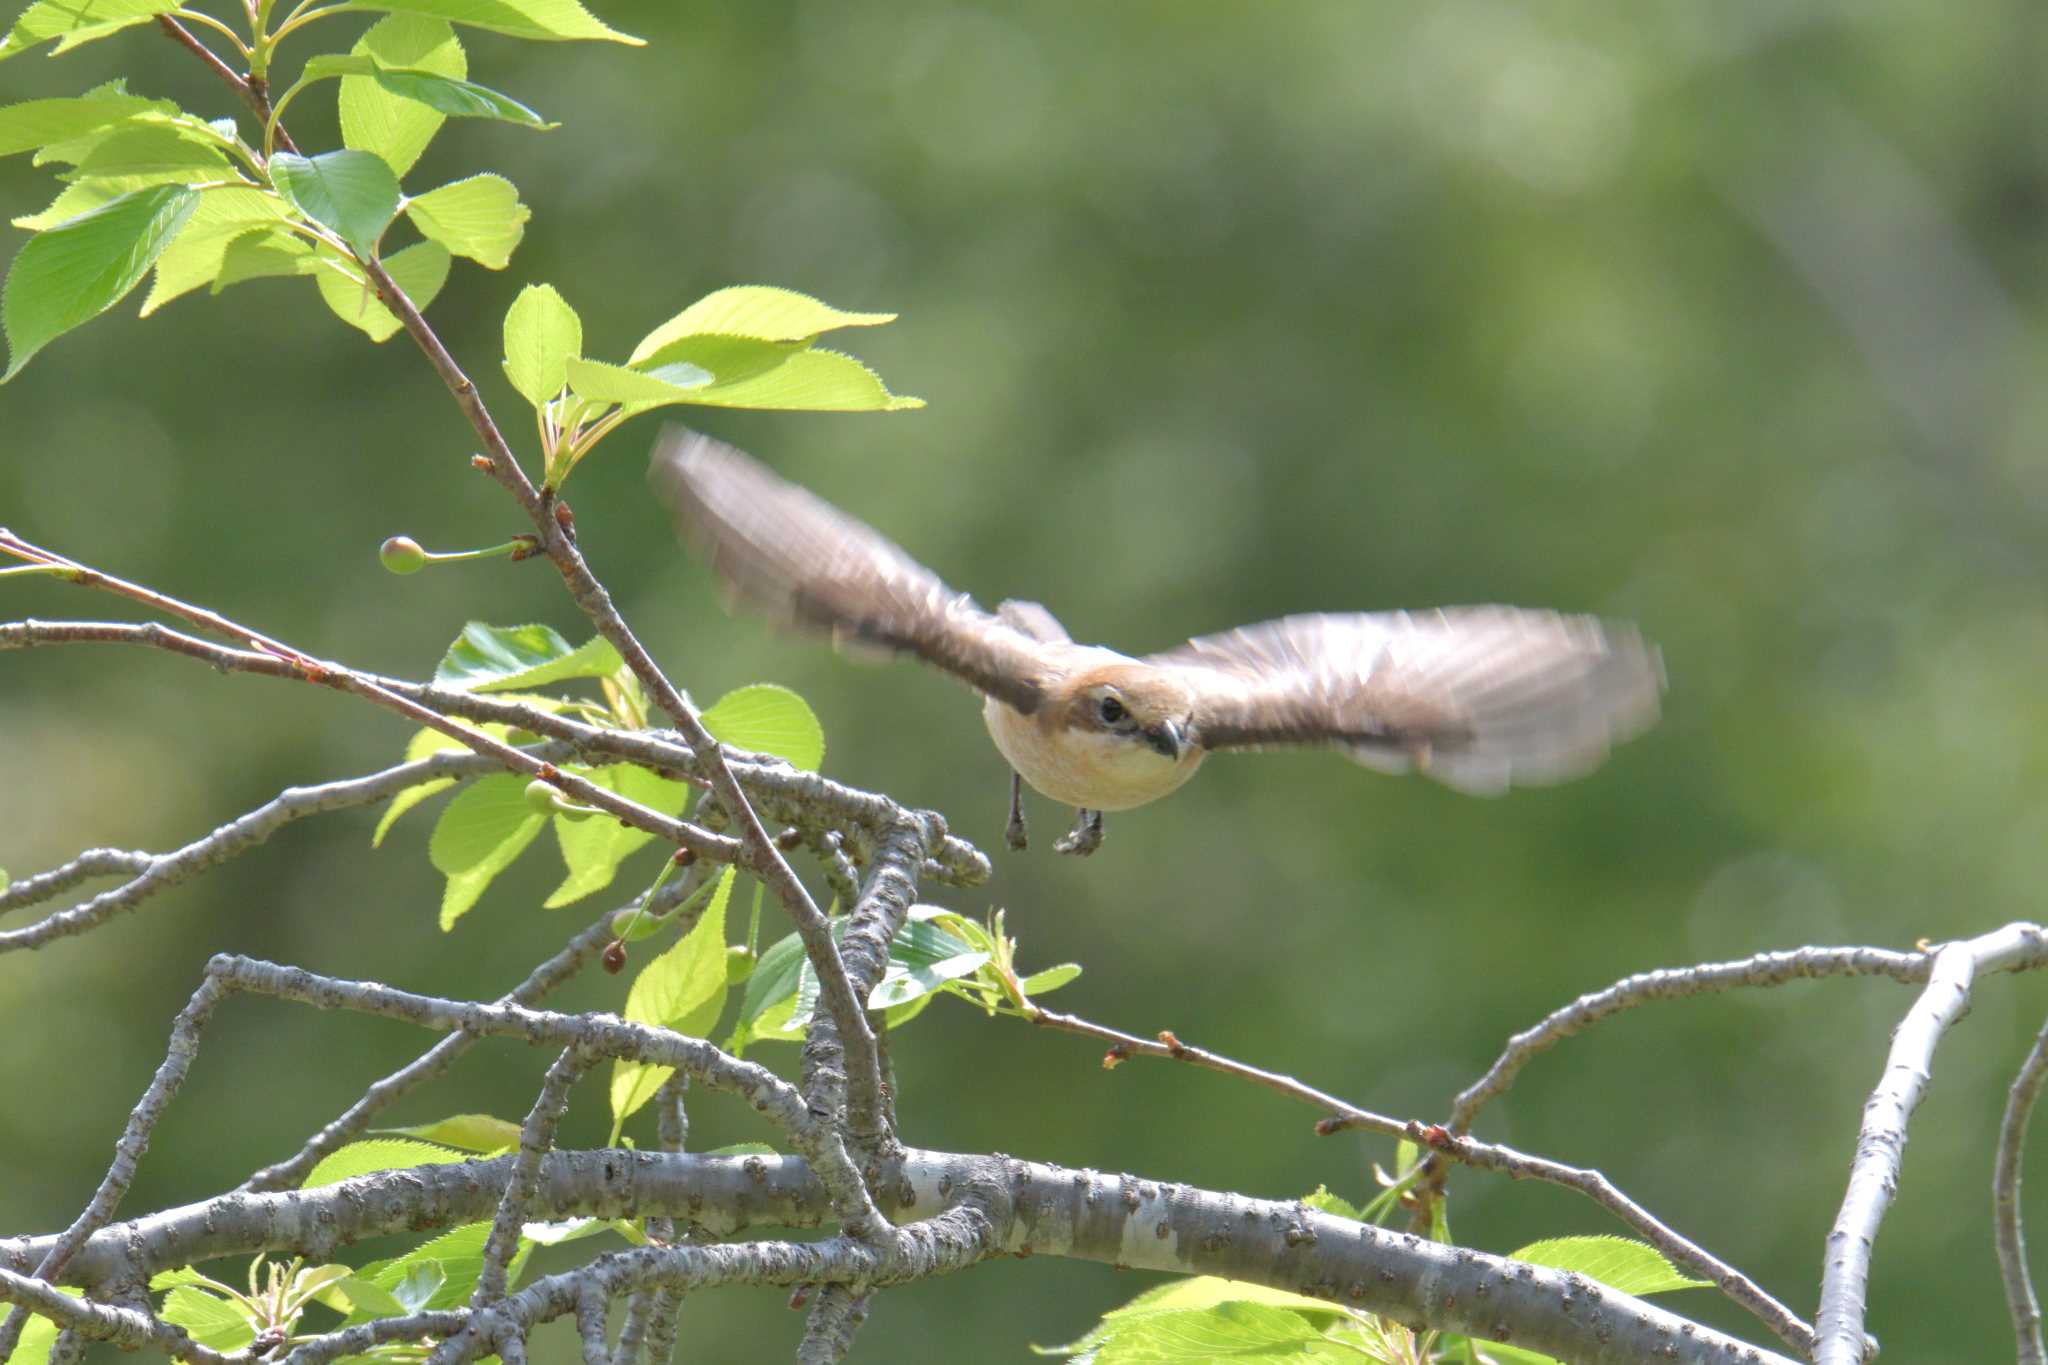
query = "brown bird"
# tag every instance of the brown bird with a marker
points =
(1478, 698)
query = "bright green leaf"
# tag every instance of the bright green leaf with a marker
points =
(78, 269)
(352, 193)
(478, 836)
(542, 335)
(922, 958)
(420, 270)
(1051, 979)
(195, 256)
(542, 20)
(359, 1298)
(37, 123)
(594, 848)
(683, 989)
(1495, 1353)
(601, 382)
(449, 95)
(211, 1320)
(77, 21)
(415, 1289)
(1617, 1262)
(494, 658)
(1238, 1330)
(423, 743)
(768, 719)
(754, 310)
(1336, 1205)
(375, 120)
(470, 1132)
(480, 218)
(265, 253)
(376, 1154)
(459, 1254)
(153, 149)
(812, 381)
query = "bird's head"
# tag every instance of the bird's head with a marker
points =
(1135, 708)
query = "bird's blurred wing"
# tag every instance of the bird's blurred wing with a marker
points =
(788, 553)
(1479, 698)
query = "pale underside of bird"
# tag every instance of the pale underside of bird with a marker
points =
(1478, 698)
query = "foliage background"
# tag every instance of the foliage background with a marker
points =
(1726, 318)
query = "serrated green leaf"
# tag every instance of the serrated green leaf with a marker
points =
(809, 381)
(375, 120)
(76, 22)
(755, 310)
(377, 1154)
(460, 1255)
(1325, 1202)
(768, 719)
(265, 253)
(31, 124)
(480, 833)
(420, 270)
(922, 958)
(540, 20)
(423, 743)
(352, 193)
(1618, 1262)
(594, 847)
(683, 989)
(211, 1320)
(487, 658)
(168, 150)
(415, 1289)
(743, 1149)
(1051, 979)
(449, 95)
(542, 335)
(195, 256)
(359, 1299)
(480, 218)
(727, 359)
(470, 1132)
(80, 268)
(770, 997)
(602, 382)
(1239, 1330)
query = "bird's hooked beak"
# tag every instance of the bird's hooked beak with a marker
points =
(1168, 739)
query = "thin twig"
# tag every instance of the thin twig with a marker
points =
(1881, 1141)
(2005, 1204)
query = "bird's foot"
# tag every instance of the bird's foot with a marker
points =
(1014, 833)
(1084, 838)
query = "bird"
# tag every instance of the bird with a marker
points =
(1479, 698)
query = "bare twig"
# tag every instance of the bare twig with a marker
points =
(2005, 1204)
(836, 1315)
(1881, 1142)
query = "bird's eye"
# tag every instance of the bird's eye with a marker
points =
(1111, 710)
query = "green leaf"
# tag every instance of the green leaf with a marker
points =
(359, 1299)
(373, 119)
(683, 989)
(495, 658)
(768, 719)
(153, 149)
(212, 1320)
(542, 335)
(265, 253)
(352, 193)
(754, 310)
(480, 218)
(420, 270)
(78, 269)
(196, 255)
(1238, 1330)
(1618, 1262)
(377, 1154)
(39, 1338)
(594, 847)
(75, 22)
(422, 743)
(541, 20)
(31, 124)
(470, 1132)
(602, 382)
(770, 997)
(460, 1255)
(415, 1289)
(1051, 979)
(922, 958)
(812, 381)
(1325, 1202)
(449, 95)
(1496, 1353)
(478, 836)
(727, 359)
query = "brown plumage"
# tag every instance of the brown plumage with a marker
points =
(1480, 698)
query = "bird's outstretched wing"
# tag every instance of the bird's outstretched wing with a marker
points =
(790, 554)
(1477, 697)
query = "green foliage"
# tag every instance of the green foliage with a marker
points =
(682, 989)
(380, 1154)
(771, 720)
(83, 266)
(482, 1133)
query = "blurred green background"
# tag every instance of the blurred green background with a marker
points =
(1727, 318)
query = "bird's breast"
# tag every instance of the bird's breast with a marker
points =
(1092, 769)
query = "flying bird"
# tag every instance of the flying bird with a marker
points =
(1479, 698)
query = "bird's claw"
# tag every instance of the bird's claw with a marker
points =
(1013, 833)
(1084, 838)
